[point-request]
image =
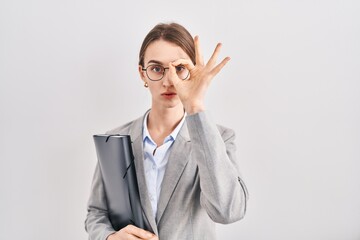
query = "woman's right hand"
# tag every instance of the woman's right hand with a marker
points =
(131, 232)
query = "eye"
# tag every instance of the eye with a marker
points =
(180, 68)
(157, 68)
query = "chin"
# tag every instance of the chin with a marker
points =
(173, 104)
(167, 104)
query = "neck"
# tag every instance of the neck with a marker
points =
(164, 120)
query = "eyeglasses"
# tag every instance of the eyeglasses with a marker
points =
(157, 72)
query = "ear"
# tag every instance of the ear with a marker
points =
(142, 74)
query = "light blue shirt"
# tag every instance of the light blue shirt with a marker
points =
(155, 161)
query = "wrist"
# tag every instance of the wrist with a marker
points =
(192, 109)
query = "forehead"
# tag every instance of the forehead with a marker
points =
(164, 52)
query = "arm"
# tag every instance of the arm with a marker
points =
(97, 223)
(223, 194)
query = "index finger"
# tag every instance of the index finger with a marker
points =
(141, 233)
(185, 62)
(154, 238)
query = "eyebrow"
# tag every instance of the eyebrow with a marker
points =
(155, 61)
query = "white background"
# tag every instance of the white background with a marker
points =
(68, 70)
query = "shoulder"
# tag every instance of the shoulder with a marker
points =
(123, 129)
(225, 132)
(128, 127)
(203, 122)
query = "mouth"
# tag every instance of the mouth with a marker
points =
(168, 94)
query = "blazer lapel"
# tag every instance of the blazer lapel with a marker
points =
(137, 143)
(178, 160)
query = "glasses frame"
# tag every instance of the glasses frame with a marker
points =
(165, 68)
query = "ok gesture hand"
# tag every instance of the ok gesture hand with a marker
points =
(192, 90)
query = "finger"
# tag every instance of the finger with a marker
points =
(138, 232)
(198, 54)
(185, 62)
(122, 234)
(132, 237)
(173, 77)
(218, 67)
(154, 238)
(214, 56)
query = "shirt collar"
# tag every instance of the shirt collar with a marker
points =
(172, 135)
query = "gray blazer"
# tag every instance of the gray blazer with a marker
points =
(202, 183)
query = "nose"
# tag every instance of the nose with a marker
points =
(166, 80)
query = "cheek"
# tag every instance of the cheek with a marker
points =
(153, 88)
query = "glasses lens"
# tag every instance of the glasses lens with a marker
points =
(182, 72)
(155, 72)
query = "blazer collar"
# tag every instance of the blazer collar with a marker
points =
(137, 142)
(178, 160)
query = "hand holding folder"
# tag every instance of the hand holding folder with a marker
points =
(116, 161)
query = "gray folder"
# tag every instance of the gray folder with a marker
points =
(116, 161)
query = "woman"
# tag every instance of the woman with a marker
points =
(187, 171)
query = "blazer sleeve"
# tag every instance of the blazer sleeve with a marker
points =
(97, 223)
(223, 193)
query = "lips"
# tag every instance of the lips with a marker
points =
(168, 94)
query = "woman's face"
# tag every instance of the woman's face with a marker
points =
(162, 53)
